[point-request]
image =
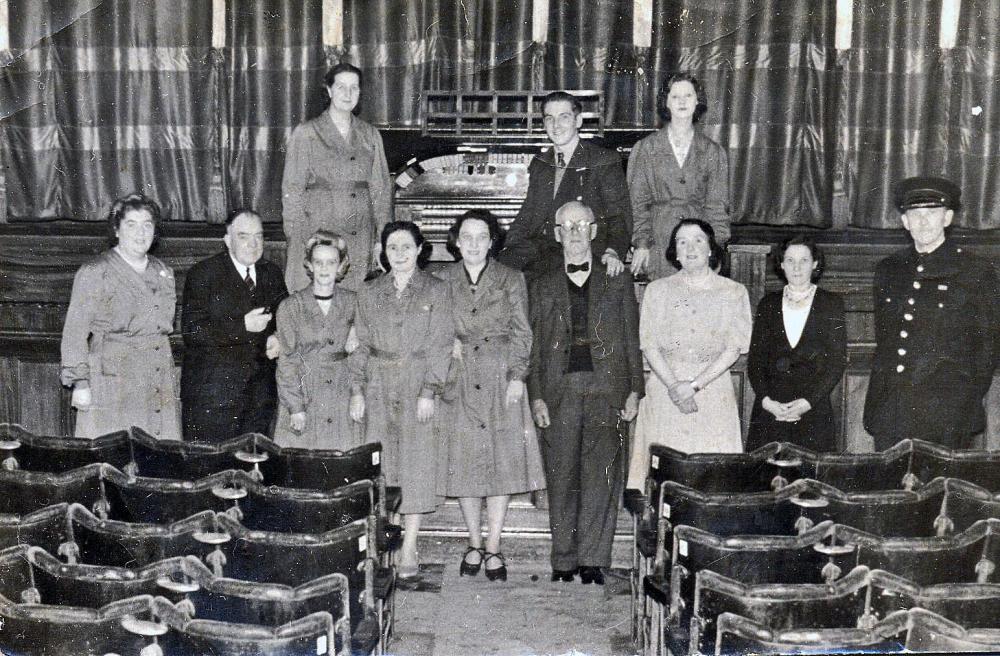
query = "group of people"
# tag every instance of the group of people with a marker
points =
(536, 329)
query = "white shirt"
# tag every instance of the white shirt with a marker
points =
(242, 269)
(795, 320)
(579, 278)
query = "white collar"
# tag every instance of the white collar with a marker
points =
(242, 268)
(566, 150)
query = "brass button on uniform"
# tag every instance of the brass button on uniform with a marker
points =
(920, 268)
(916, 285)
(900, 368)
(904, 334)
(901, 351)
(910, 301)
(908, 316)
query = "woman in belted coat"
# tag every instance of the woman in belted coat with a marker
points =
(676, 173)
(798, 353)
(313, 376)
(405, 338)
(115, 346)
(489, 448)
(336, 179)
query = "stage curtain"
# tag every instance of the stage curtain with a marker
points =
(971, 91)
(768, 69)
(405, 46)
(272, 80)
(124, 100)
(893, 112)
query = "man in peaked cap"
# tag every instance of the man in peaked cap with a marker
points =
(936, 322)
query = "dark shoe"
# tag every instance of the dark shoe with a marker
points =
(494, 573)
(565, 575)
(471, 569)
(590, 574)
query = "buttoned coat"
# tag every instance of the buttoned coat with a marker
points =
(809, 370)
(404, 352)
(593, 176)
(662, 193)
(313, 375)
(936, 323)
(115, 340)
(488, 448)
(612, 327)
(223, 361)
(337, 184)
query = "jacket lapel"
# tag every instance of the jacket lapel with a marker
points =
(598, 286)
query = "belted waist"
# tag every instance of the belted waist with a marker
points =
(330, 185)
(489, 339)
(100, 339)
(393, 355)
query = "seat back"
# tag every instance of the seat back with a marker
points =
(185, 460)
(56, 455)
(164, 501)
(288, 510)
(778, 607)
(729, 472)
(929, 632)
(124, 544)
(319, 469)
(24, 492)
(44, 528)
(739, 635)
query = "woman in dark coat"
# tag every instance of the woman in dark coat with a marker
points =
(798, 352)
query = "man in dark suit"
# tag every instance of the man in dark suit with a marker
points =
(585, 375)
(936, 322)
(572, 169)
(227, 383)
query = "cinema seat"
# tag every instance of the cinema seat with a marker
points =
(21, 449)
(840, 604)
(974, 605)
(45, 528)
(929, 632)
(740, 635)
(24, 492)
(153, 458)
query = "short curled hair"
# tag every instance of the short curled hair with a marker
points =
(129, 203)
(423, 246)
(563, 96)
(800, 240)
(699, 91)
(496, 232)
(332, 239)
(715, 252)
(342, 67)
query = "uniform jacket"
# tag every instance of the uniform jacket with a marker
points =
(662, 193)
(809, 371)
(115, 341)
(936, 323)
(613, 327)
(593, 176)
(215, 336)
(313, 375)
(336, 184)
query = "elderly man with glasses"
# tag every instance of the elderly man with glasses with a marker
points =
(585, 375)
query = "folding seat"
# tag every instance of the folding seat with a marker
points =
(21, 449)
(929, 632)
(867, 472)
(751, 559)
(44, 630)
(293, 559)
(24, 492)
(965, 504)
(292, 510)
(318, 469)
(42, 578)
(180, 635)
(44, 528)
(980, 468)
(840, 604)
(760, 471)
(163, 501)
(189, 461)
(739, 635)
(115, 543)
(968, 604)
(967, 557)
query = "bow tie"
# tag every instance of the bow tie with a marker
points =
(575, 268)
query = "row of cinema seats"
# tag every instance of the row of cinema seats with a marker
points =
(811, 533)
(100, 557)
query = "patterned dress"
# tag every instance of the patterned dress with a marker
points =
(488, 448)
(690, 324)
(313, 376)
(115, 340)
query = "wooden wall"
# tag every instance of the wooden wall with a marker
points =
(38, 261)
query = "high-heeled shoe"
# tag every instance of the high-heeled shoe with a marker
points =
(471, 569)
(496, 572)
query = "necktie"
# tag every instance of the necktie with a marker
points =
(560, 170)
(574, 268)
(249, 281)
